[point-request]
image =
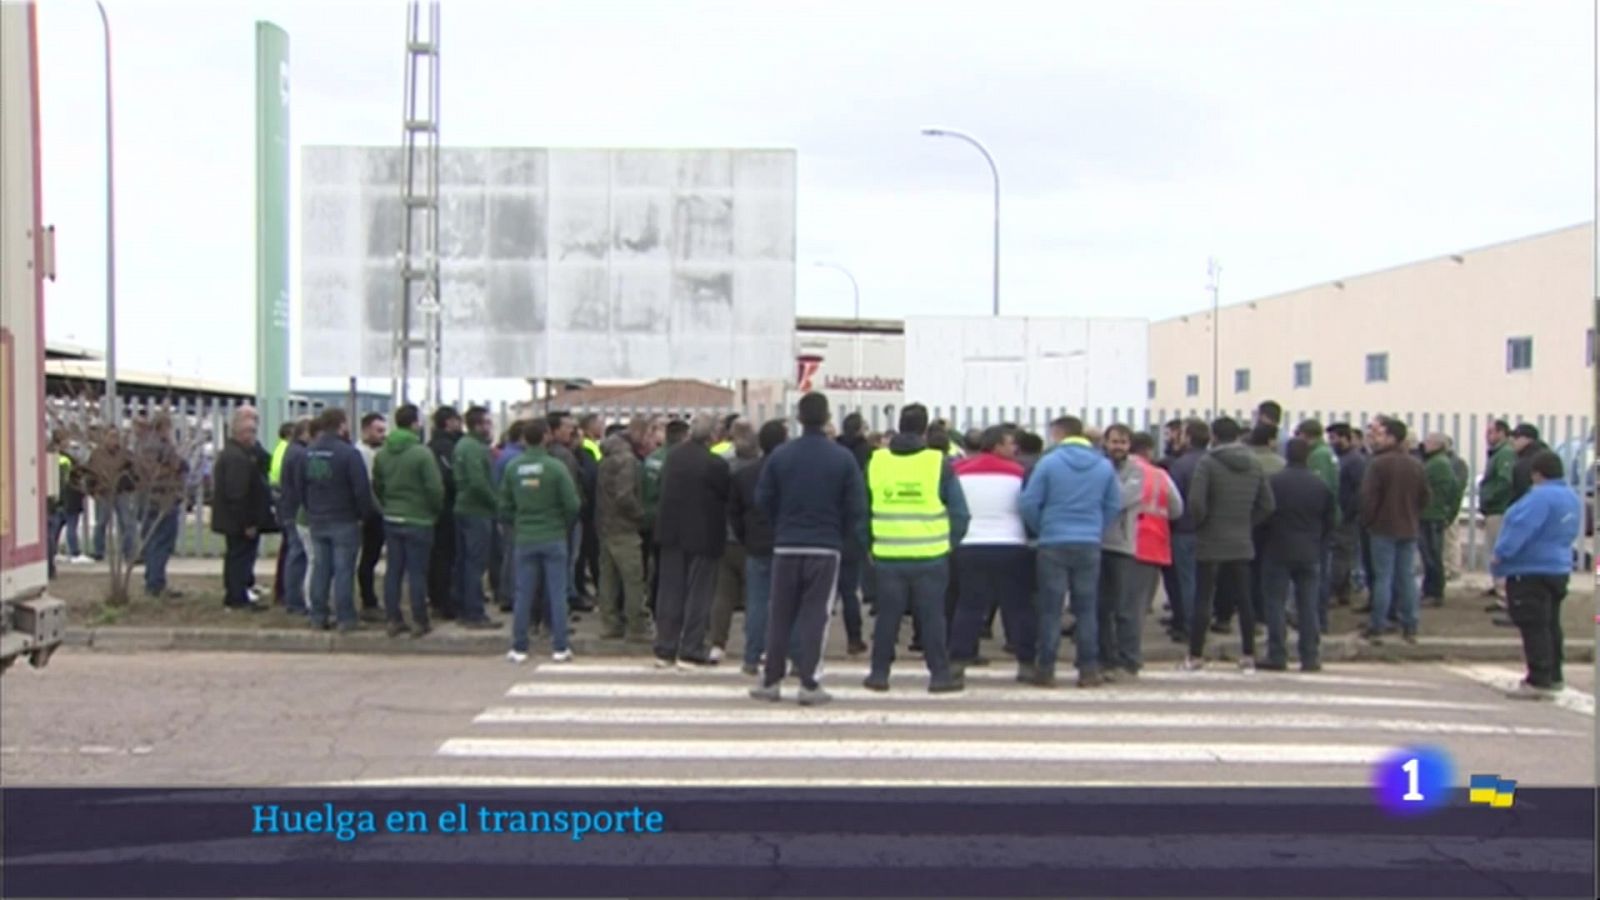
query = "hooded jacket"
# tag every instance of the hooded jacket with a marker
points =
(474, 478)
(621, 509)
(1072, 495)
(407, 482)
(1538, 533)
(538, 498)
(1229, 497)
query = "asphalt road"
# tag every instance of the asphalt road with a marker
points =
(295, 719)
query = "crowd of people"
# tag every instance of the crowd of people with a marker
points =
(666, 527)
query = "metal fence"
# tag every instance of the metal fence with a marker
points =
(204, 423)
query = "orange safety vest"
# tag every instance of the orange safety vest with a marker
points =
(1152, 542)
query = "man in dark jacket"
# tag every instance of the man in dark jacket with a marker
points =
(692, 524)
(673, 433)
(337, 498)
(810, 490)
(1393, 496)
(1444, 502)
(729, 594)
(297, 555)
(753, 530)
(442, 556)
(1525, 441)
(856, 584)
(476, 508)
(1230, 497)
(1494, 493)
(1179, 577)
(242, 508)
(1295, 537)
(1348, 570)
(618, 519)
(410, 490)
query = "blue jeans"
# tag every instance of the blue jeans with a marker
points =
(122, 508)
(1392, 560)
(920, 587)
(473, 534)
(334, 548)
(1074, 569)
(158, 547)
(296, 560)
(757, 600)
(1180, 587)
(541, 564)
(409, 547)
(69, 522)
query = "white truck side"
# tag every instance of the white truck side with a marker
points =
(31, 622)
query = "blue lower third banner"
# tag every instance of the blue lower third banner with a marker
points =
(795, 842)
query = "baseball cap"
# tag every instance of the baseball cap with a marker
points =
(1525, 431)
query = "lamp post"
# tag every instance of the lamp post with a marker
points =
(995, 171)
(112, 410)
(856, 342)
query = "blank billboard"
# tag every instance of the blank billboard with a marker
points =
(601, 264)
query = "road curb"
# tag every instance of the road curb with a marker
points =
(129, 639)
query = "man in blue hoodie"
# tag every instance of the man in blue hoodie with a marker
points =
(916, 512)
(1534, 555)
(1071, 496)
(337, 498)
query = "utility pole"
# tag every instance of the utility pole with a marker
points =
(1594, 433)
(1214, 284)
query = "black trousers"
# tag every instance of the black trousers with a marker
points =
(1230, 580)
(683, 610)
(1534, 603)
(372, 538)
(588, 571)
(652, 566)
(237, 567)
(803, 587)
(442, 568)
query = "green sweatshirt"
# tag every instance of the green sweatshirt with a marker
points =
(1326, 467)
(538, 497)
(1494, 493)
(650, 484)
(474, 478)
(1444, 491)
(406, 481)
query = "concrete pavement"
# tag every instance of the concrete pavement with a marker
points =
(238, 719)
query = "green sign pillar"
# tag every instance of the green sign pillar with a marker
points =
(272, 227)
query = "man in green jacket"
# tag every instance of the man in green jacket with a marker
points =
(619, 520)
(650, 493)
(540, 499)
(1444, 493)
(410, 492)
(474, 512)
(1494, 491)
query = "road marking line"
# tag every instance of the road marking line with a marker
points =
(911, 750)
(998, 672)
(1118, 695)
(753, 715)
(1570, 699)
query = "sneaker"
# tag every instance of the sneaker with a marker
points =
(1027, 673)
(1191, 664)
(1092, 679)
(80, 560)
(253, 594)
(396, 629)
(1247, 666)
(953, 686)
(1409, 636)
(561, 656)
(1526, 691)
(813, 696)
(771, 693)
(715, 655)
(856, 648)
(1043, 679)
(879, 683)
(695, 662)
(750, 670)
(1108, 676)
(516, 657)
(1371, 636)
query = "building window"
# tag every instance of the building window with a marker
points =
(1519, 354)
(1590, 346)
(1150, 389)
(1377, 367)
(1302, 374)
(1241, 381)
(1191, 386)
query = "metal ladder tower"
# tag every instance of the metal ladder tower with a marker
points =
(417, 325)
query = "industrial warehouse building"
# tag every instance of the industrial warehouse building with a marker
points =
(1504, 329)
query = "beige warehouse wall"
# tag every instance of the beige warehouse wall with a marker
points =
(1443, 322)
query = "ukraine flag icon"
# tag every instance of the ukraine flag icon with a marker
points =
(1490, 790)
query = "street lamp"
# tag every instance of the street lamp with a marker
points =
(112, 409)
(995, 171)
(856, 343)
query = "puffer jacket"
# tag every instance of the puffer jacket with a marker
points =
(1229, 497)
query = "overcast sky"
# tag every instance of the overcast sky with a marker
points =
(1298, 141)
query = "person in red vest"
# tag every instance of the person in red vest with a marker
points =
(1133, 549)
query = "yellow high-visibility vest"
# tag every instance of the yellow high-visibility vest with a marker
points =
(275, 472)
(722, 448)
(594, 448)
(909, 521)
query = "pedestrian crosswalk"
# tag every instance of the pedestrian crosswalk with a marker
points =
(625, 723)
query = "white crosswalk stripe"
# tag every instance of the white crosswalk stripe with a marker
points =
(623, 723)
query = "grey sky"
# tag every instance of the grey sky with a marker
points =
(1298, 141)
